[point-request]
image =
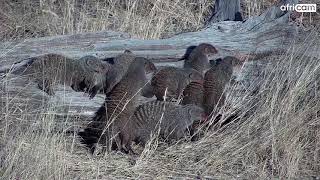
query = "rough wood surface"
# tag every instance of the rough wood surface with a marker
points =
(267, 32)
(226, 10)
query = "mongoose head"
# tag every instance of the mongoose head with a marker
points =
(95, 74)
(199, 57)
(146, 63)
(229, 60)
(125, 58)
(226, 64)
(149, 67)
(207, 49)
(193, 116)
(141, 62)
(120, 65)
(194, 76)
(195, 113)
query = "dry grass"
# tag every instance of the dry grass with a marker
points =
(277, 134)
(143, 19)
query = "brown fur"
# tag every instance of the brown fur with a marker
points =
(199, 57)
(120, 67)
(174, 80)
(215, 81)
(120, 103)
(85, 74)
(172, 119)
(193, 94)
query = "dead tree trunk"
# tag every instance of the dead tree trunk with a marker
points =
(226, 10)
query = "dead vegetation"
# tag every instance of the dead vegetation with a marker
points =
(143, 19)
(276, 135)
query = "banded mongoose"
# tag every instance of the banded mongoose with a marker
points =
(173, 120)
(193, 94)
(215, 81)
(120, 103)
(174, 80)
(119, 68)
(198, 59)
(85, 74)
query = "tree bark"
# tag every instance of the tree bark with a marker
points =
(226, 10)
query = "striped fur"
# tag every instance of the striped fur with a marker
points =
(119, 69)
(121, 101)
(193, 94)
(215, 81)
(172, 119)
(174, 80)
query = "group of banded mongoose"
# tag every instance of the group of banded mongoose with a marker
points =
(185, 96)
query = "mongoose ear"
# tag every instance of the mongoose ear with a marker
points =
(233, 61)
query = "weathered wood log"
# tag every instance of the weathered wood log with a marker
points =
(267, 32)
